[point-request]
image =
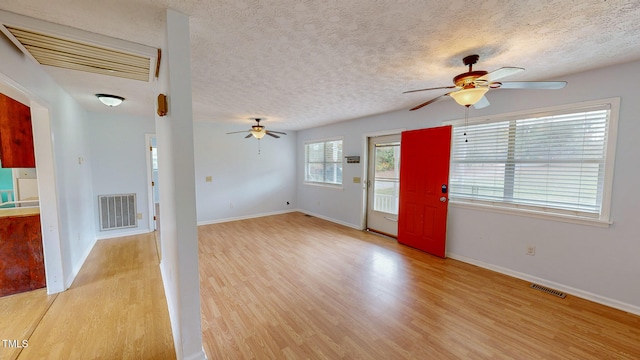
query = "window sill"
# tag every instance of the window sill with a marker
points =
(533, 214)
(326, 186)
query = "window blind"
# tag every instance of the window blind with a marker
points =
(553, 162)
(323, 162)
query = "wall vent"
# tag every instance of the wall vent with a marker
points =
(66, 47)
(55, 51)
(117, 211)
(554, 292)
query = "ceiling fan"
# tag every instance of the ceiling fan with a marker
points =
(258, 131)
(472, 85)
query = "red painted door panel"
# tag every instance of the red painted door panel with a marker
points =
(422, 218)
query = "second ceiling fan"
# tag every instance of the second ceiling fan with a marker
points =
(258, 131)
(472, 85)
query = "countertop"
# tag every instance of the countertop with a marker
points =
(19, 211)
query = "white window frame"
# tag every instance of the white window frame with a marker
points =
(306, 162)
(603, 220)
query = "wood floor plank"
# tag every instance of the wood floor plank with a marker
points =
(291, 287)
(19, 316)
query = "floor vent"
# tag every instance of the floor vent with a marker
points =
(554, 292)
(117, 211)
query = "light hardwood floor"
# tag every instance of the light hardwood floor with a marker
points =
(296, 287)
(115, 309)
(20, 314)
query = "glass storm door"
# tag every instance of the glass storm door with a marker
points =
(383, 184)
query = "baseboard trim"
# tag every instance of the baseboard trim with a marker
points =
(554, 285)
(200, 355)
(245, 217)
(254, 216)
(76, 269)
(170, 306)
(340, 222)
(123, 234)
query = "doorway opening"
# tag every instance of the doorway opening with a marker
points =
(153, 188)
(383, 184)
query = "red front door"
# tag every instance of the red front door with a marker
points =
(424, 185)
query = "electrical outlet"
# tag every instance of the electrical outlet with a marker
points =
(531, 250)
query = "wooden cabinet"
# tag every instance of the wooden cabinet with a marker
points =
(21, 254)
(16, 135)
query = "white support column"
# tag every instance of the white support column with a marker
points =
(176, 169)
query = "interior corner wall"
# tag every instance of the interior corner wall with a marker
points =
(595, 263)
(71, 206)
(119, 164)
(249, 177)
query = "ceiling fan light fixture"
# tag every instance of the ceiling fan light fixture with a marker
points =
(259, 134)
(470, 96)
(110, 100)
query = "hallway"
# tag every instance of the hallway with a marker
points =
(115, 309)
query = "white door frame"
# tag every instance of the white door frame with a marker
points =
(151, 204)
(48, 194)
(365, 168)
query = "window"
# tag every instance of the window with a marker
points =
(323, 162)
(557, 162)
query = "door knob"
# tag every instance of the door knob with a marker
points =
(443, 199)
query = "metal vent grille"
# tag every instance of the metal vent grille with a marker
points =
(117, 211)
(54, 51)
(554, 292)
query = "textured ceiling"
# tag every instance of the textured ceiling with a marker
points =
(304, 63)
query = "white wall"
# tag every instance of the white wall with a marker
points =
(244, 183)
(597, 263)
(119, 163)
(64, 184)
(176, 169)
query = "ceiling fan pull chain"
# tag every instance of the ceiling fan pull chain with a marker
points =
(466, 122)
(258, 146)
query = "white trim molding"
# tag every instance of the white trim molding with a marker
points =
(564, 288)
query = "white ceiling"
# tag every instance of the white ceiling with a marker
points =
(304, 63)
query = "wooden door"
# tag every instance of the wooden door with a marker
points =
(424, 182)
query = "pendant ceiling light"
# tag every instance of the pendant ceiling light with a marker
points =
(110, 100)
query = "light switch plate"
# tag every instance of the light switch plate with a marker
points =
(356, 180)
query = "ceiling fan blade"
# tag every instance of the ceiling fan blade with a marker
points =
(237, 132)
(429, 102)
(500, 73)
(273, 135)
(483, 103)
(248, 136)
(435, 88)
(542, 85)
(276, 132)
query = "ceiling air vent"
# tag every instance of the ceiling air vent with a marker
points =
(68, 54)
